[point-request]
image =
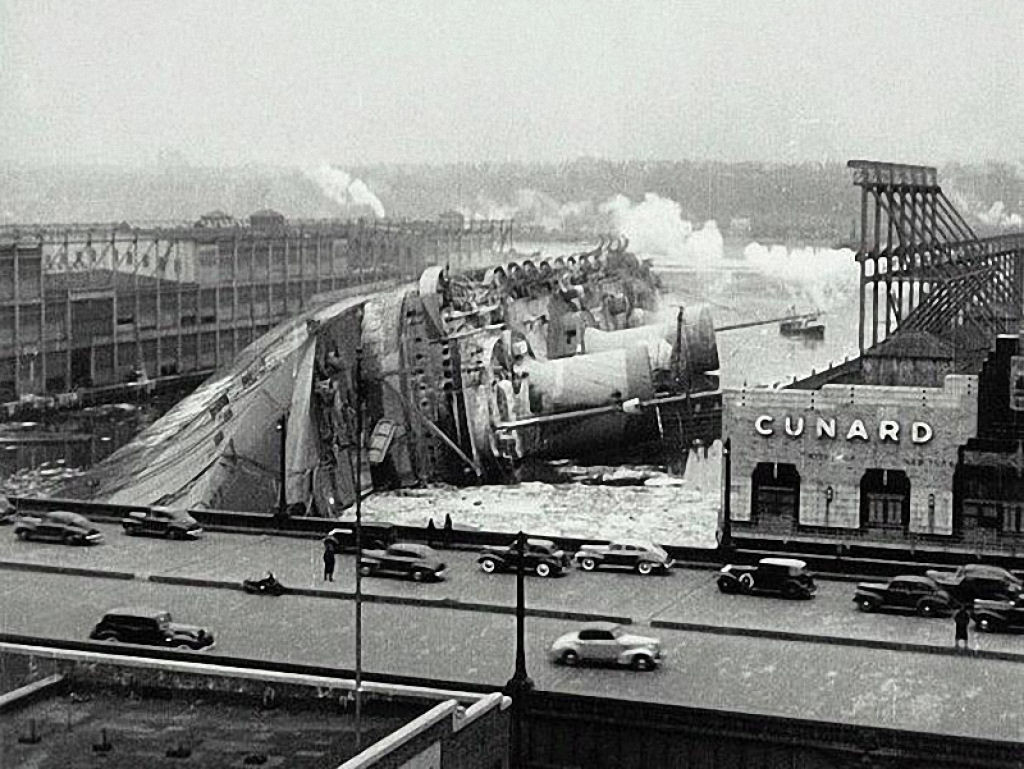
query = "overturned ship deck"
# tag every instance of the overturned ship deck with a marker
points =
(462, 377)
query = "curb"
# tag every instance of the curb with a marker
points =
(869, 643)
(74, 571)
(436, 603)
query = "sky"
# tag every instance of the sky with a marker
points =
(225, 82)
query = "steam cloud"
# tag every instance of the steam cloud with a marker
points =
(997, 216)
(340, 187)
(655, 226)
(826, 275)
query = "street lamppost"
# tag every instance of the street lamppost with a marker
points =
(358, 484)
(520, 684)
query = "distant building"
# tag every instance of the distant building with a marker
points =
(452, 220)
(267, 220)
(216, 220)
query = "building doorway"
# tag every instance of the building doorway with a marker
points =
(775, 493)
(885, 500)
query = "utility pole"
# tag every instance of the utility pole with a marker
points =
(520, 685)
(282, 497)
(358, 483)
(725, 532)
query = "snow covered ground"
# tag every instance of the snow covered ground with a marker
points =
(666, 510)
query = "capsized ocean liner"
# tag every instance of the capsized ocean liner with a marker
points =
(462, 377)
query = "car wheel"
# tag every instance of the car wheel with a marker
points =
(644, 568)
(366, 571)
(543, 570)
(24, 534)
(927, 610)
(866, 604)
(488, 566)
(108, 638)
(184, 647)
(986, 625)
(570, 658)
(726, 585)
(418, 575)
(643, 662)
(588, 564)
(70, 539)
(746, 583)
(129, 530)
(790, 591)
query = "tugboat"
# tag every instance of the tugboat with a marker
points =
(808, 326)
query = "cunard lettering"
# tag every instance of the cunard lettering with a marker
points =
(887, 430)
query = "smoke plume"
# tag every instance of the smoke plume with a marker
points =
(340, 187)
(997, 216)
(826, 275)
(655, 226)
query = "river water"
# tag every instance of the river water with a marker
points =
(36, 457)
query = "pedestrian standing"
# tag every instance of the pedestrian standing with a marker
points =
(447, 529)
(961, 619)
(328, 563)
(431, 532)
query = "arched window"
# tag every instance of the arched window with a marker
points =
(775, 491)
(884, 499)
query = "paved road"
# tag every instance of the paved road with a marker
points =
(684, 596)
(945, 694)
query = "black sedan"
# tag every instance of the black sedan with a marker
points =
(415, 561)
(162, 522)
(57, 526)
(905, 593)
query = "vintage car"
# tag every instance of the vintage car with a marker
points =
(152, 627)
(641, 557)
(375, 536)
(57, 526)
(404, 559)
(996, 616)
(162, 522)
(905, 593)
(787, 577)
(608, 643)
(540, 556)
(978, 580)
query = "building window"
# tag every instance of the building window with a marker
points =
(885, 499)
(1013, 519)
(775, 491)
(986, 513)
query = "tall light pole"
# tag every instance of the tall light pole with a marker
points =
(358, 483)
(520, 684)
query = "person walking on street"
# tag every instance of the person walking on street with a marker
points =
(961, 619)
(328, 563)
(431, 533)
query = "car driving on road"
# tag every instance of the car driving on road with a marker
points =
(787, 577)
(978, 580)
(540, 556)
(906, 593)
(641, 557)
(58, 526)
(606, 643)
(418, 562)
(162, 522)
(999, 616)
(151, 627)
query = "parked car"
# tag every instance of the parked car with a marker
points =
(978, 580)
(787, 577)
(540, 556)
(642, 557)
(376, 536)
(906, 593)
(608, 643)
(59, 526)
(996, 616)
(8, 512)
(162, 522)
(152, 627)
(418, 562)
